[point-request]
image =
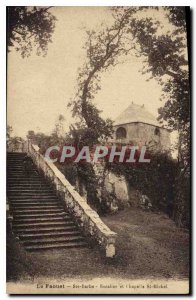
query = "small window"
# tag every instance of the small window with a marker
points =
(121, 133)
(157, 131)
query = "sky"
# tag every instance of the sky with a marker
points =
(39, 88)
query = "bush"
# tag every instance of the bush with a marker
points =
(155, 179)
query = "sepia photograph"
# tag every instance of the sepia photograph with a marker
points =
(98, 150)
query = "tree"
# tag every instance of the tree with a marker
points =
(59, 126)
(104, 49)
(9, 132)
(165, 58)
(29, 27)
(13, 143)
(164, 55)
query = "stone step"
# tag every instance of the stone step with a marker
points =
(16, 168)
(43, 230)
(26, 184)
(21, 177)
(36, 204)
(11, 161)
(14, 165)
(30, 190)
(38, 210)
(44, 224)
(22, 173)
(34, 196)
(39, 217)
(30, 194)
(27, 180)
(46, 215)
(53, 240)
(37, 207)
(28, 236)
(27, 196)
(40, 220)
(56, 246)
(15, 160)
(20, 169)
(32, 201)
(16, 155)
(30, 187)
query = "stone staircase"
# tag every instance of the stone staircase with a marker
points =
(39, 218)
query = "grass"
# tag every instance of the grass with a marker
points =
(149, 245)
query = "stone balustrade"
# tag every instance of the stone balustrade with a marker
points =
(87, 219)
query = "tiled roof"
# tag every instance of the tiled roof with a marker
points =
(136, 113)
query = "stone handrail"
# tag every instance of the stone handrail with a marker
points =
(87, 219)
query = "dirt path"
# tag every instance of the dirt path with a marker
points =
(149, 245)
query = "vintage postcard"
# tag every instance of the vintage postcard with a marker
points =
(98, 150)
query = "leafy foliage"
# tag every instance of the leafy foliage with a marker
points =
(177, 16)
(165, 58)
(12, 142)
(9, 132)
(28, 27)
(104, 49)
(155, 179)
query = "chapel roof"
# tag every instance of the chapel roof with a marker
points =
(136, 113)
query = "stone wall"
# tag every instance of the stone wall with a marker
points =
(115, 187)
(145, 134)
